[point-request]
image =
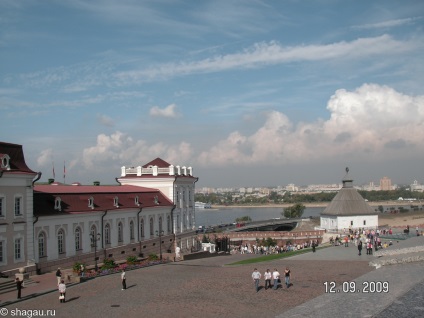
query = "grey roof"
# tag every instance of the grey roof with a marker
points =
(348, 202)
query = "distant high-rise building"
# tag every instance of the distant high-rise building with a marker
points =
(385, 184)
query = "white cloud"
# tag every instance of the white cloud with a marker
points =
(169, 111)
(270, 54)
(122, 149)
(105, 120)
(45, 157)
(371, 123)
(387, 24)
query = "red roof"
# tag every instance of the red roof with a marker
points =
(74, 199)
(17, 160)
(157, 162)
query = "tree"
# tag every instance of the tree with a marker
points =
(294, 211)
(244, 219)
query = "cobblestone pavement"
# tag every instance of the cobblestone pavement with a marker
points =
(200, 287)
(208, 288)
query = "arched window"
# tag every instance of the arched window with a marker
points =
(168, 223)
(160, 224)
(78, 239)
(93, 233)
(107, 233)
(151, 226)
(141, 229)
(184, 221)
(120, 232)
(61, 241)
(131, 230)
(42, 244)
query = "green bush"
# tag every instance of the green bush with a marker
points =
(77, 267)
(153, 257)
(131, 260)
(108, 263)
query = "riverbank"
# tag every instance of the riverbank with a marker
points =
(312, 205)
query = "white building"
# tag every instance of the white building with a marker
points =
(178, 184)
(16, 210)
(348, 210)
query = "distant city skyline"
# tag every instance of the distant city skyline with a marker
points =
(251, 92)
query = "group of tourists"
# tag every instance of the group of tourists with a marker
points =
(271, 276)
(266, 250)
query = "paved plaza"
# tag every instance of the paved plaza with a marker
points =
(209, 288)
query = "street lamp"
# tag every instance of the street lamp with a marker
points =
(94, 239)
(160, 243)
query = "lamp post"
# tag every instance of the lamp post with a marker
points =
(160, 243)
(94, 239)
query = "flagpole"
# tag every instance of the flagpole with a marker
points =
(64, 173)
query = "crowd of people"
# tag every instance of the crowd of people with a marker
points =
(247, 248)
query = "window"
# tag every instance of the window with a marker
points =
(18, 247)
(18, 206)
(141, 229)
(151, 226)
(178, 221)
(365, 222)
(93, 235)
(41, 244)
(137, 203)
(60, 242)
(160, 224)
(107, 233)
(91, 202)
(115, 202)
(184, 221)
(2, 200)
(351, 222)
(1, 252)
(168, 221)
(120, 232)
(57, 204)
(78, 239)
(131, 230)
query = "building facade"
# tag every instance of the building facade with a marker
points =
(348, 210)
(43, 227)
(178, 184)
(16, 209)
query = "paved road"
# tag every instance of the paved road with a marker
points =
(208, 288)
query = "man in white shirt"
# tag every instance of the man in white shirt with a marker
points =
(276, 277)
(267, 276)
(256, 277)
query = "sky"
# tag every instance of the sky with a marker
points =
(247, 93)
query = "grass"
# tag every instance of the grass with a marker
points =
(272, 257)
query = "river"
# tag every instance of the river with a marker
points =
(211, 217)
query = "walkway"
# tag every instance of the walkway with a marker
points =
(208, 288)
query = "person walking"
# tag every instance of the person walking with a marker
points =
(267, 276)
(82, 270)
(58, 276)
(19, 286)
(124, 280)
(62, 291)
(276, 277)
(359, 247)
(256, 276)
(287, 275)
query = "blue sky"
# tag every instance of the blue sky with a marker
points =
(248, 93)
